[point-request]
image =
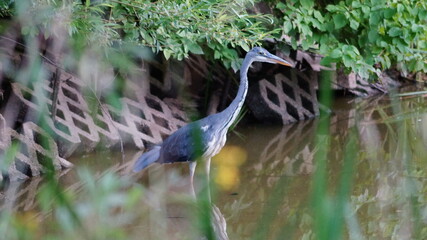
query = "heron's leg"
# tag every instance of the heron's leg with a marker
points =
(192, 166)
(207, 174)
(208, 168)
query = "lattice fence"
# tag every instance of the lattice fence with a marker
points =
(145, 119)
(142, 119)
(30, 154)
(288, 97)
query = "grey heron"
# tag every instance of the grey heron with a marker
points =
(204, 138)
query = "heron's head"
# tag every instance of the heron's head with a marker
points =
(259, 54)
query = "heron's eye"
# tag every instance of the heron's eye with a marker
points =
(262, 53)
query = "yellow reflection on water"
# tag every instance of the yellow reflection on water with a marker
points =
(227, 163)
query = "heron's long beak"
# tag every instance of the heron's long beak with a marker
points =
(281, 61)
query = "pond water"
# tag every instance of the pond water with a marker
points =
(360, 170)
(382, 174)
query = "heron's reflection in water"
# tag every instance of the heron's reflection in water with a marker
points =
(175, 213)
(218, 223)
(185, 223)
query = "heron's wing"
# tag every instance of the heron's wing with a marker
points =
(181, 145)
(176, 148)
(147, 158)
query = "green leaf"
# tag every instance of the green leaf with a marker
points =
(422, 14)
(307, 3)
(374, 18)
(167, 53)
(400, 8)
(324, 39)
(217, 54)
(349, 50)
(339, 20)
(306, 44)
(235, 65)
(336, 53)
(394, 31)
(369, 59)
(106, 5)
(347, 60)
(146, 36)
(417, 28)
(355, 14)
(389, 12)
(281, 6)
(356, 4)
(400, 44)
(287, 26)
(245, 46)
(385, 62)
(355, 49)
(317, 24)
(318, 16)
(294, 43)
(326, 61)
(354, 24)
(332, 8)
(383, 44)
(306, 31)
(366, 10)
(195, 48)
(330, 26)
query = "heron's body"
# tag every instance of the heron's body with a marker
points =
(206, 136)
(192, 139)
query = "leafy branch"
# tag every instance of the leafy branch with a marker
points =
(363, 36)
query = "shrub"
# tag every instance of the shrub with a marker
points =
(363, 36)
(175, 28)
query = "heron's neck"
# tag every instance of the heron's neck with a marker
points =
(232, 111)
